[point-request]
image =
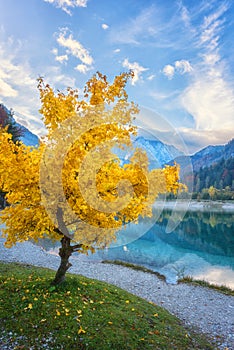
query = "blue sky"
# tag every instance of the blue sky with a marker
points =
(181, 51)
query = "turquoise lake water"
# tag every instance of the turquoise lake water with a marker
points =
(201, 246)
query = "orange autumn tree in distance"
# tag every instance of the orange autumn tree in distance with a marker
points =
(73, 187)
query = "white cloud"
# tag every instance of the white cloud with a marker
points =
(14, 74)
(169, 71)
(82, 68)
(74, 47)
(185, 15)
(136, 68)
(183, 66)
(211, 59)
(105, 26)
(180, 67)
(117, 50)
(210, 96)
(67, 5)
(151, 77)
(165, 95)
(212, 28)
(210, 100)
(18, 83)
(6, 90)
(197, 139)
(55, 77)
(61, 58)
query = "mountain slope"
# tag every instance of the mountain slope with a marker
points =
(158, 152)
(208, 156)
(212, 154)
(28, 138)
(21, 132)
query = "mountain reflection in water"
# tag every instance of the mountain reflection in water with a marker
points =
(202, 246)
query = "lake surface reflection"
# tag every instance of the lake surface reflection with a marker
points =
(202, 246)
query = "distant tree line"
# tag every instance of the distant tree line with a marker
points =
(219, 175)
(215, 182)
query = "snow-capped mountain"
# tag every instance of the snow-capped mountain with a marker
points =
(158, 152)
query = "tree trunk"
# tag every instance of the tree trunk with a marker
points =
(64, 252)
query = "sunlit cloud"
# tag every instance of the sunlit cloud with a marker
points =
(169, 71)
(209, 97)
(210, 100)
(197, 139)
(136, 68)
(18, 84)
(6, 90)
(82, 68)
(74, 47)
(183, 66)
(67, 5)
(59, 58)
(17, 81)
(180, 67)
(105, 26)
(55, 77)
(212, 26)
(62, 58)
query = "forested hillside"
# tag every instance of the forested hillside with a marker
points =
(220, 175)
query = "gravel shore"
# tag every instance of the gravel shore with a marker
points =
(204, 309)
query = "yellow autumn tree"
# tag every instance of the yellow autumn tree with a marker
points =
(73, 187)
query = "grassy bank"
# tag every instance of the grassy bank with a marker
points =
(82, 314)
(187, 279)
(202, 283)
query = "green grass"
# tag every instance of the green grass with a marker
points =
(134, 267)
(222, 289)
(83, 313)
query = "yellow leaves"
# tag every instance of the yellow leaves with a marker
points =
(91, 184)
(56, 108)
(81, 330)
(171, 174)
(29, 307)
